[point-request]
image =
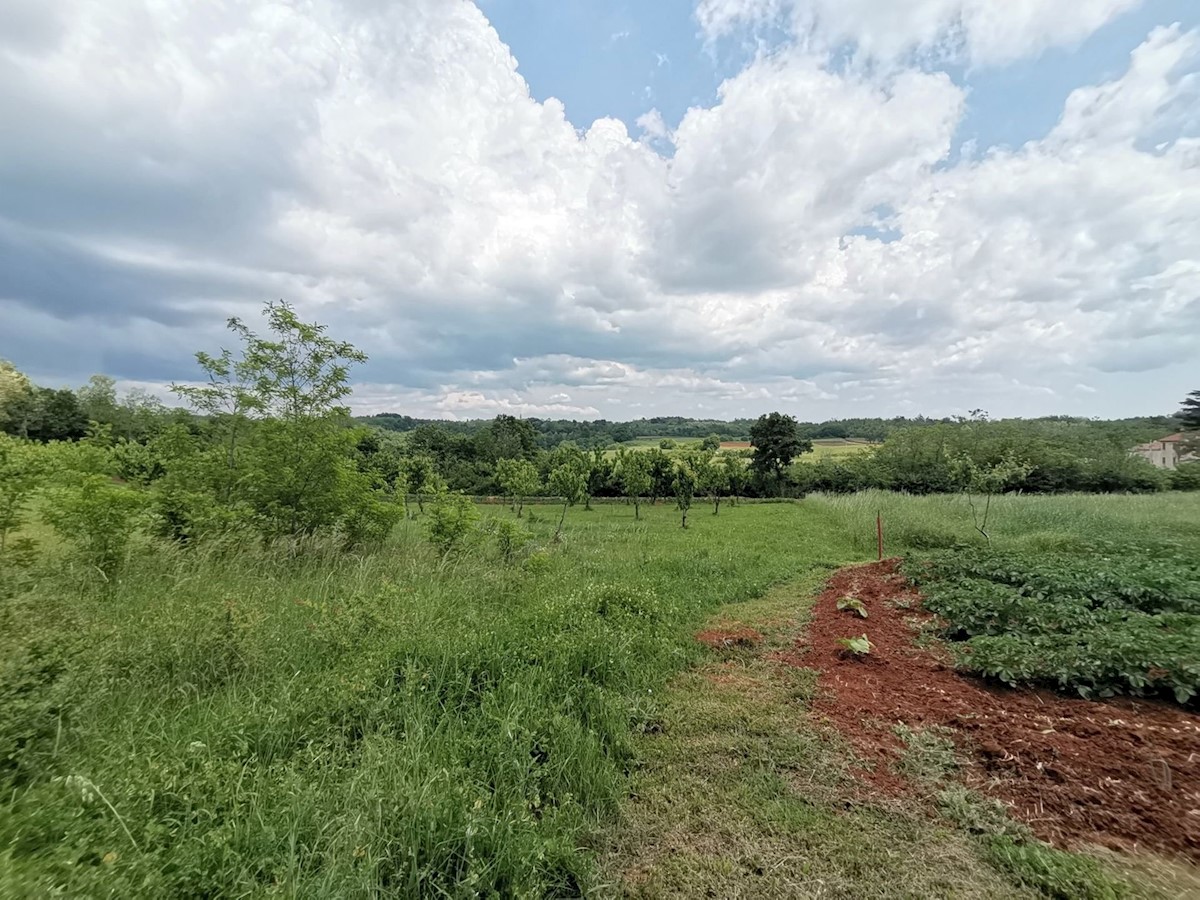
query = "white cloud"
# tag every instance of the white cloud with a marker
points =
(387, 170)
(983, 32)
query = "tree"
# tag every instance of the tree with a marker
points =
(16, 393)
(98, 400)
(684, 484)
(518, 479)
(989, 480)
(776, 441)
(297, 470)
(1190, 417)
(55, 416)
(712, 443)
(1190, 413)
(711, 477)
(633, 469)
(599, 474)
(568, 480)
(736, 478)
(422, 478)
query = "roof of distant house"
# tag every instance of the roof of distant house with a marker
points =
(1158, 444)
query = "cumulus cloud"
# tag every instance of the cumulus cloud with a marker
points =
(810, 241)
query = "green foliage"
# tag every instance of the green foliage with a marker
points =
(451, 522)
(288, 465)
(23, 469)
(519, 479)
(776, 441)
(1189, 413)
(853, 604)
(684, 482)
(633, 471)
(319, 724)
(1092, 624)
(712, 443)
(1186, 477)
(859, 646)
(568, 480)
(510, 537)
(97, 516)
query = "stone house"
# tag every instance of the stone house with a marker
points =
(1165, 453)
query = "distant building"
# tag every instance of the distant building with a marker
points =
(1166, 453)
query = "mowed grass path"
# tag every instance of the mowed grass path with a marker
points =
(250, 723)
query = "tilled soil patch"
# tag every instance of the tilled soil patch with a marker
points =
(1122, 773)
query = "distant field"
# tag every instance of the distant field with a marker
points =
(822, 447)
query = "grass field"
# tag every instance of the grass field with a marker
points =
(298, 722)
(1040, 522)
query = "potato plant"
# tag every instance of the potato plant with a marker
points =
(1093, 624)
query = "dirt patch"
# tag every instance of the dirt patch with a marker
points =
(735, 445)
(1121, 773)
(729, 638)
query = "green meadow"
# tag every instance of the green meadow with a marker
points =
(239, 720)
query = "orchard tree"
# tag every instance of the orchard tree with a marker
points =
(422, 478)
(712, 479)
(987, 479)
(684, 484)
(633, 470)
(518, 479)
(568, 480)
(776, 441)
(736, 477)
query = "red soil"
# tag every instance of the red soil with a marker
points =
(735, 445)
(728, 638)
(1122, 773)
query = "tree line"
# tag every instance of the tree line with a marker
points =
(266, 447)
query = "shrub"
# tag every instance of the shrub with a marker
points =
(451, 521)
(97, 516)
(1186, 477)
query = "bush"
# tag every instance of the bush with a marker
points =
(97, 516)
(511, 537)
(1186, 477)
(451, 521)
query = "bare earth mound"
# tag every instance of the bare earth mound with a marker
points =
(1121, 773)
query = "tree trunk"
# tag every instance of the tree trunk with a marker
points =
(561, 519)
(683, 523)
(637, 510)
(520, 507)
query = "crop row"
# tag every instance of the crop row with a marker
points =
(1097, 626)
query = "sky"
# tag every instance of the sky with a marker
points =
(583, 209)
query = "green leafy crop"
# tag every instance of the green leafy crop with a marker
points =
(854, 604)
(1094, 624)
(859, 646)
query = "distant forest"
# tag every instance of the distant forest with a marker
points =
(603, 433)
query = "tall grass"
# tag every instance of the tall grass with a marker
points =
(1035, 522)
(236, 721)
